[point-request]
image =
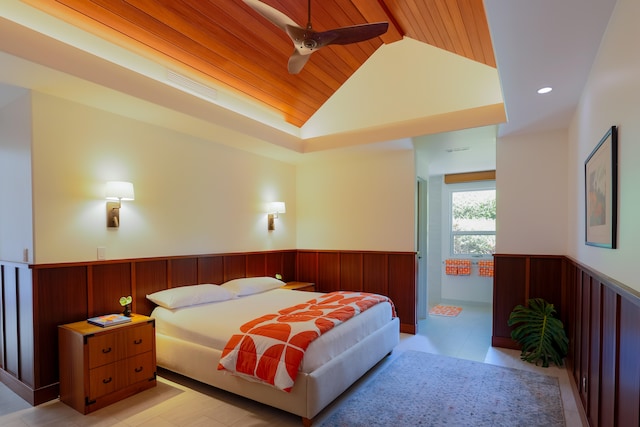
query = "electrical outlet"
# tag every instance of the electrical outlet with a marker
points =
(25, 255)
(102, 253)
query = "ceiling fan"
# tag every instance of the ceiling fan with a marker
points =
(306, 40)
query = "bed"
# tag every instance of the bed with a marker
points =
(192, 331)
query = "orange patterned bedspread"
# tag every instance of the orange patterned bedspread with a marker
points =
(270, 348)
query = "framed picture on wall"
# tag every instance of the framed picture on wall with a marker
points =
(601, 192)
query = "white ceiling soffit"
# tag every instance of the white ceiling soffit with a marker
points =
(460, 151)
(544, 43)
(537, 43)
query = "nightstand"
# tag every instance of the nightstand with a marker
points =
(300, 286)
(100, 366)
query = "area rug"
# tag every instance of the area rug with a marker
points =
(445, 310)
(423, 389)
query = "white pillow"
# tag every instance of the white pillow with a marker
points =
(252, 285)
(184, 296)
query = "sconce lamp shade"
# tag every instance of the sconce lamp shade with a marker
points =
(119, 190)
(277, 207)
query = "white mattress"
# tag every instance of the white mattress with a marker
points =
(211, 325)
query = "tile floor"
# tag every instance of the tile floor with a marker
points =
(177, 401)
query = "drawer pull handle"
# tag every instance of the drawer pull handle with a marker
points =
(138, 341)
(107, 380)
(139, 369)
(106, 350)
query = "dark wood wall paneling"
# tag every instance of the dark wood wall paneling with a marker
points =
(391, 274)
(602, 321)
(34, 300)
(17, 319)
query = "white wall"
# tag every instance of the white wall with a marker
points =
(192, 196)
(531, 193)
(611, 97)
(358, 200)
(16, 235)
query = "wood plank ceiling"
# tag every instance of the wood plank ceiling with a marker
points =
(227, 44)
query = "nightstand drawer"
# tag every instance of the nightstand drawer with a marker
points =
(102, 380)
(139, 368)
(102, 349)
(138, 339)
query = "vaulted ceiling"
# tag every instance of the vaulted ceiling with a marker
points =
(226, 44)
(436, 85)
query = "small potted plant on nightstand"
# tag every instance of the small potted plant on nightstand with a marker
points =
(125, 302)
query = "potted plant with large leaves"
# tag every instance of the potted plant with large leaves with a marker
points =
(540, 334)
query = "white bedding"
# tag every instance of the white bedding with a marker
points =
(211, 325)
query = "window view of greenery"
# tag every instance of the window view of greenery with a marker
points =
(473, 220)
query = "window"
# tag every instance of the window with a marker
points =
(473, 222)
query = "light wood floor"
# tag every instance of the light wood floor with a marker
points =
(177, 401)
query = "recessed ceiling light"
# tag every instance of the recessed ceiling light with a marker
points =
(545, 90)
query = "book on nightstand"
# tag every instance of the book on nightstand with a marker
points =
(109, 320)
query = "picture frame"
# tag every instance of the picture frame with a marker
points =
(601, 192)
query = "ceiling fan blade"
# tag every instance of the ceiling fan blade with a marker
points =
(276, 17)
(306, 40)
(297, 61)
(353, 34)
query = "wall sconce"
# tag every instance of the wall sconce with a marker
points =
(275, 208)
(117, 190)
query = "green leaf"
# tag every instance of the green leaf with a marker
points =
(540, 334)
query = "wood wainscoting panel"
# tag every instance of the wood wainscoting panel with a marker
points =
(283, 263)
(595, 347)
(546, 280)
(571, 278)
(60, 296)
(628, 384)
(375, 272)
(307, 267)
(235, 266)
(608, 356)
(108, 282)
(211, 269)
(149, 276)
(256, 265)
(577, 338)
(329, 272)
(402, 288)
(351, 271)
(10, 320)
(585, 326)
(518, 278)
(274, 263)
(510, 286)
(183, 271)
